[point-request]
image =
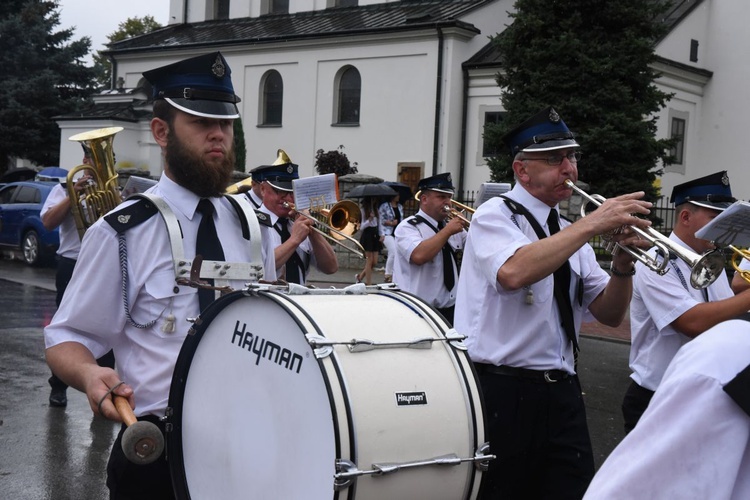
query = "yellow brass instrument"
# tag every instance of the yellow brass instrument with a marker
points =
(704, 269)
(240, 187)
(337, 223)
(102, 193)
(455, 210)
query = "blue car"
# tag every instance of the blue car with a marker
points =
(21, 227)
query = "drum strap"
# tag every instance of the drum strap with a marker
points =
(449, 255)
(561, 275)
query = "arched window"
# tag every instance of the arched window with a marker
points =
(272, 99)
(349, 92)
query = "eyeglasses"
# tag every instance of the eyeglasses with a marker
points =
(281, 193)
(555, 160)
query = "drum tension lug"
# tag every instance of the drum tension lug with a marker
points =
(482, 457)
(346, 474)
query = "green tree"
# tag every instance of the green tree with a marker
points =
(589, 59)
(240, 150)
(133, 26)
(334, 162)
(42, 76)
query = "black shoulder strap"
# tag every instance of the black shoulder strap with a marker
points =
(519, 209)
(419, 218)
(739, 389)
(241, 216)
(128, 217)
(263, 218)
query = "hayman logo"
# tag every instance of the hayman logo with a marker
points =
(411, 398)
(265, 349)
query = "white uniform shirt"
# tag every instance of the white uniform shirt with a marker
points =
(425, 281)
(693, 440)
(272, 239)
(502, 328)
(657, 301)
(254, 199)
(70, 243)
(92, 312)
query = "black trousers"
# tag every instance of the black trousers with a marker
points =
(129, 481)
(447, 313)
(539, 434)
(62, 278)
(634, 403)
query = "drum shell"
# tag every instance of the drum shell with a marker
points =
(242, 423)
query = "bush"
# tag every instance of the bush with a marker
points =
(334, 162)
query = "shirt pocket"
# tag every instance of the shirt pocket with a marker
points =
(163, 297)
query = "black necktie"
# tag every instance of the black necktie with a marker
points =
(562, 287)
(292, 264)
(208, 246)
(448, 262)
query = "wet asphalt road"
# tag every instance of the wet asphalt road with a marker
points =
(61, 453)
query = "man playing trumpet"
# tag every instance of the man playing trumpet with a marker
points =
(426, 246)
(666, 312)
(524, 289)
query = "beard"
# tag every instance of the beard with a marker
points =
(205, 179)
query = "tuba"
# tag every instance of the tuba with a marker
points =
(102, 193)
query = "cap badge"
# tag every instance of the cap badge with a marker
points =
(553, 116)
(218, 68)
(448, 178)
(725, 179)
(289, 169)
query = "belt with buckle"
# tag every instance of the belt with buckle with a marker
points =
(544, 376)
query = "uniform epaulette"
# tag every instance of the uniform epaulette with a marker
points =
(128, 217)
(413, 221)
(263, 218)
(739, 389)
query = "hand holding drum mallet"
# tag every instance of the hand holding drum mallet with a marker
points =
(142, 442)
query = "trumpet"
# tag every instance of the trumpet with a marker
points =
(337, 223)
(704, 269)
(240, 187)
(455, 210)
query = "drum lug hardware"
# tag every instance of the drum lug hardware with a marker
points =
(482, 457)
(347, 470)
(346, 474)
(456, 339)
(321, 346)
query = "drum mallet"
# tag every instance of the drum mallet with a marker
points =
(142, 442)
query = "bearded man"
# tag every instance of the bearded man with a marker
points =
(123, 294)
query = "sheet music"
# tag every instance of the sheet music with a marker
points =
(731, 227)
(137, 184)
(315, 191)
(489, 190)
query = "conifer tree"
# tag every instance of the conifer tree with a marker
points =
(589, 59)
(42, 76)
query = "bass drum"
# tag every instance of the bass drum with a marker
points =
(273, 399)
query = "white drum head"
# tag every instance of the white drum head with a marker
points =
(250, 404)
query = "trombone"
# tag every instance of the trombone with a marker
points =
(704, 269)
(337, 223)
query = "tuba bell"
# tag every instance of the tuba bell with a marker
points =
(102, 193)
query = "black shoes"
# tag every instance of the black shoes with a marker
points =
(58, 398)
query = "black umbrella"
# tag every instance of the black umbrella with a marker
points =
(380, 189)
(404, 191)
